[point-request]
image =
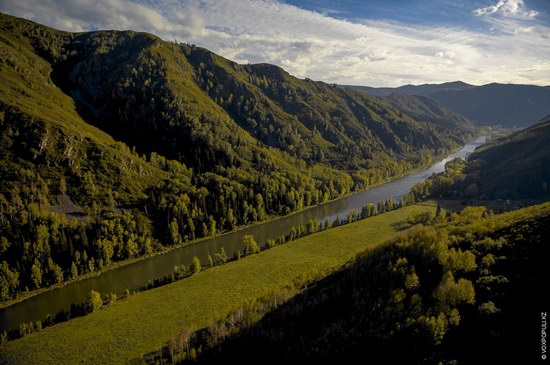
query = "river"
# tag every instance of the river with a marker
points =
(139, 273)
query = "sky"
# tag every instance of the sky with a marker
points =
(356, 42)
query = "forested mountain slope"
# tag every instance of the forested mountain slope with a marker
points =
(193, 98)
(158, 143)
(429, 110)
(514, 166)
(445, 293)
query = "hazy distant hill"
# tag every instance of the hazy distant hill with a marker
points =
(429, 110)
(422, 90)
(506, 104)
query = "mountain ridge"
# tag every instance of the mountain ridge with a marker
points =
(509, 105)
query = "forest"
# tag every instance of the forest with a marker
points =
(117, 145)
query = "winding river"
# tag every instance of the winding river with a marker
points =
(137, 274)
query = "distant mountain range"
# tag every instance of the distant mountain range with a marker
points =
(422, 90)
(508, 105)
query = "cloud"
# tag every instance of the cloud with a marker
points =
(507, 8)
(314, 45)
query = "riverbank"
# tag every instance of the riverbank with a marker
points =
(119, 333)
(169, 249)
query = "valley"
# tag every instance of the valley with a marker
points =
(210, 181)
(138, 274)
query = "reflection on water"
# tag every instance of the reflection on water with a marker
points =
(137, 274)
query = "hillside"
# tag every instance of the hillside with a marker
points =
(421, 90)
(447, 293)
(429, 110)
(515, 166)
(115, 144)
(508, 105)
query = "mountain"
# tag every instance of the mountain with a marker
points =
(503, 104)
(116, 143)
(429, 110)
(422, 90)
(514, 166)
(508, 105)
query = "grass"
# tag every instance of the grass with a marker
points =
(130, 328)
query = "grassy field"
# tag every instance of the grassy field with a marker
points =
(130, 328)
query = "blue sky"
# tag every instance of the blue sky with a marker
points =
(414, 12)
(375, 43)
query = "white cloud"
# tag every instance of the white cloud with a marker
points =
(508, 8)
(310, 44)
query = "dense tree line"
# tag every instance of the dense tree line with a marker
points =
(450, 183)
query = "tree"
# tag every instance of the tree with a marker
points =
(390, 204)
(250, 245)
(195, 266)
(42, 237)
(221, 257)
(74, 270)
(55, 271)
(231, 221)
(4, 245)
(131, 248)
(212, 224)
(368, 210)
(381, 207)
(9, 280)
(270, 243)
(312, 226)
(94, 302)
(260, 207)
(36, 274)
(147, 246)
(183, 340)
(450, 292)
(210, 261)
(172, 348)
(174, 232)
